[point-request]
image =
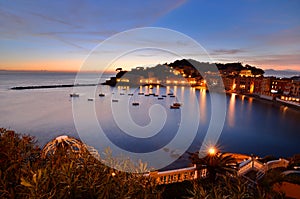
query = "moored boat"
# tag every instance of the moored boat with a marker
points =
(74, 95)
(176, 104)
(174, 107)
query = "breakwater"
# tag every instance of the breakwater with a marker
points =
(50, 86)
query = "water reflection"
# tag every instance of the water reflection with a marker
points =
(250, 122)
(231, 110)
(175, 90)
(203, 104)
(250, 99)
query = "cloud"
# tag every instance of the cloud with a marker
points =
(284, 37)
(280, 61)
(75, 17)
(227, 51)
(50, 18)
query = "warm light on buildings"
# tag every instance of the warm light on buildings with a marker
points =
(124, 80)
(252, 87)
(233, 86)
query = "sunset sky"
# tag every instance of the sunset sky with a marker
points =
(58, 35)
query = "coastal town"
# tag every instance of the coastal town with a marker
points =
(235, 77)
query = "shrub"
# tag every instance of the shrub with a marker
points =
(65, 174)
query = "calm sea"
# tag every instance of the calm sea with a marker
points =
(251, 126)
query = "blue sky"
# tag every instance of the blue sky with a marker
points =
(58, 35)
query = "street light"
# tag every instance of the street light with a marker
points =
(212, 151)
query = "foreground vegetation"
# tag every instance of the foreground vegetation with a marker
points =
(26, 172)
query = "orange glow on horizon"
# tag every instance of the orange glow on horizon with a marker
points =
(73, 65)
(50, 65)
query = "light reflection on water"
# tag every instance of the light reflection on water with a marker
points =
(251, 126)
(231, 111)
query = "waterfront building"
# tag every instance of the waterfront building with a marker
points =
(244, 84)
(246, 73)
(295, 89)
(229, 83)
(280, 86)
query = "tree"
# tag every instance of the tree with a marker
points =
(216, 164)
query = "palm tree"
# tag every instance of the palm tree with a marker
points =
(215, 164)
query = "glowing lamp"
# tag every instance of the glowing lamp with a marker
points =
(212, 151)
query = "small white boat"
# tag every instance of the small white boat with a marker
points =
(174, 107)
(74, 95)
(176, 104)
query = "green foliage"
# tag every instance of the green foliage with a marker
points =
(18, 154)
(65, 173)
(177, 190)
(25, 174)
(217, 165)
(230, 187)
(295, 161)
(223, 182)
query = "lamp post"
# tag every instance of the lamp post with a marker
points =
(212, 151)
